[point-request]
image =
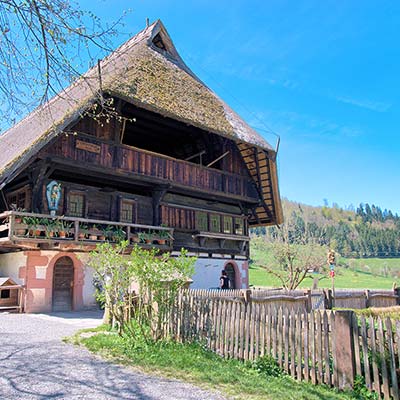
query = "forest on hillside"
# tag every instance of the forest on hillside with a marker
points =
(367, 231)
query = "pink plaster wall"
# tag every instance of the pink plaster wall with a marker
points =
(39, 292)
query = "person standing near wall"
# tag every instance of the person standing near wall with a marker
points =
(224, 280)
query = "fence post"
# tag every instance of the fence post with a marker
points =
(397, 292)
(309, 301)
(344, 360)
(328, 299)
(367, 304)
(247, 295)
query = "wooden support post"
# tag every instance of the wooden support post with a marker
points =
(38, 178)
(11, 227)
(344, 357)
(309, 301)
(397, 292)
(76, 230)
(329, 302)
(158, 194)
(247, 295)
(367, 303)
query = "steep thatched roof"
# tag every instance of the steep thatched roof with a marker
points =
(146, 71)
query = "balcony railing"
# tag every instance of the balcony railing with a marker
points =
(88, 150)
(19, 227)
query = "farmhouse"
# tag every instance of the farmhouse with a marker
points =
(137, 149)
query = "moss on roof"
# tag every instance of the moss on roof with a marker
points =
(152, 79)
(141, 73)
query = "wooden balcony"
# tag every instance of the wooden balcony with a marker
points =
(87, 151)
(31, 231)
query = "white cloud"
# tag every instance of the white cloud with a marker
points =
(292, 124)
(369, 105)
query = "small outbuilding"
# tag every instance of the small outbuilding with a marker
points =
(10, 295)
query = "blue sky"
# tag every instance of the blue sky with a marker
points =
(324, 75)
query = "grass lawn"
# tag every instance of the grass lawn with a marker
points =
(363, 273)
(345, 279)
(191, 363)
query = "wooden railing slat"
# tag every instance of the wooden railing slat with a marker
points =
(382, 352)
(375, 369)
(364, 345)
(328, 372)
(292, 344)
(306, 335)
(356, 341)
(286, 339)
(392, 359)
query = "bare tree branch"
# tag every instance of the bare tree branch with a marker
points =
(44, 46)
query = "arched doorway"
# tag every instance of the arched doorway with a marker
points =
(63, 280)
(230, 270)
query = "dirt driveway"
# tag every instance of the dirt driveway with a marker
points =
(36, 364)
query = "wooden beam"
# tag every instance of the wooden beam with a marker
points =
(91, 170)
(218, 158)
(199, 154)
(39, 175)
(158, 194)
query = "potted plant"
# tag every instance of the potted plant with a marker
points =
(163, 236)
(34, 226)
(20, 231)
(17, 218)
(93, 233)
(101, 236)
(83, 231)
(106, 232)
(117, 234)
(49, 227)
(63, 228)
(141, 237)
(135, 238)
(149, 237)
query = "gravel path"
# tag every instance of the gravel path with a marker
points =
(36, 364)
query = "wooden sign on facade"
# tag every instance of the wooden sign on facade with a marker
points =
(93, 148)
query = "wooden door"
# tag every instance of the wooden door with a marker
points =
(230, 270)
(63, 279)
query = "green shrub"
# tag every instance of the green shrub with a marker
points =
(361, 392)
(267, 365)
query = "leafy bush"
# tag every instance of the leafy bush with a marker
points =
(361, 392)
(267, 365)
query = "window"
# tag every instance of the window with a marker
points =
(228, 224)
(19, 199)
(215, 223)
(239, 226)
(201, 221)
(5, 294)
(127, 211)
(76, 205)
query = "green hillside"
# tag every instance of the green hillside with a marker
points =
(366, 241)
(363, 232)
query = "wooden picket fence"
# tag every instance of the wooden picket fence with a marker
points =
(377, 354)
(327, 347)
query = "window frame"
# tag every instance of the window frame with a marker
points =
(84, 203)
(16, 193)
(217, 218)
(224, 220)
(242, 226)
(203, 228)
(133, 203)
